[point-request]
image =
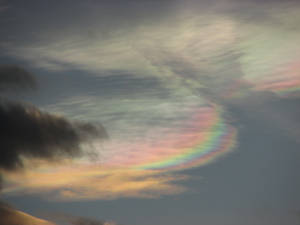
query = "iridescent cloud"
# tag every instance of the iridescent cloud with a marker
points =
(141, 168)
(75, 182)
(208, 59)
(285, 81)
(196, 141)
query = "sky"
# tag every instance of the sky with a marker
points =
(135, 112)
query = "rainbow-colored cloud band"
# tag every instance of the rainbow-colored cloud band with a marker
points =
(285, 81)
(206, 137)
(198, 141)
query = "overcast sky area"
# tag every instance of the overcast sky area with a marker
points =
(138, 112)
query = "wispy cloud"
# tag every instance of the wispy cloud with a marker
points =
(205, 61)
(86, 182)
(203, 53)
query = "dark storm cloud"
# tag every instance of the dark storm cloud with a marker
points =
(26, 131)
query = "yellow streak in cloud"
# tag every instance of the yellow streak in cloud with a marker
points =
(93, 182)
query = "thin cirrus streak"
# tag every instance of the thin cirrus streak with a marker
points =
(198, 141)
(284, 81)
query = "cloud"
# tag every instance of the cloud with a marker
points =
(35, 142)
(79, 181)
(27, 132)
(205, 54)
(208, 55)
(29, 135)
(12, 76)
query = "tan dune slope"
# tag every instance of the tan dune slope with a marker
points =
(10, 216)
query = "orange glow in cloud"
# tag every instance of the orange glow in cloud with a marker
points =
(94, 182)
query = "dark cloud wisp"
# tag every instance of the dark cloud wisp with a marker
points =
(26, 131)
(15, 77)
